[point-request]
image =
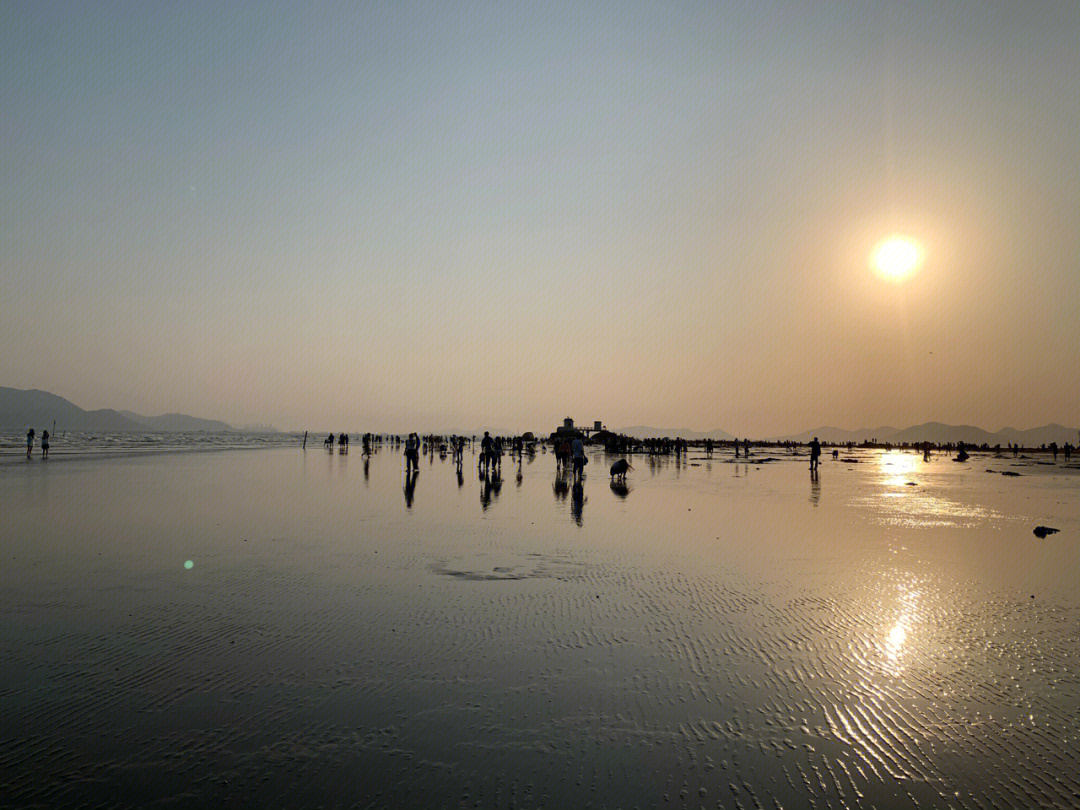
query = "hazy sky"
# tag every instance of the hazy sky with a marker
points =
(388, 215)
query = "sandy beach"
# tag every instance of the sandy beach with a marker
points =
(279, 628)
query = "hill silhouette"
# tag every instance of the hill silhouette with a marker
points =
(20, 409)
(941, 433)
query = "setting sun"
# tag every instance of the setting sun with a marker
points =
(896, 257)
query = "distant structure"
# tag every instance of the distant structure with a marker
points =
(570, 432)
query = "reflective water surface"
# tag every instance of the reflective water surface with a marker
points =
(708, 634)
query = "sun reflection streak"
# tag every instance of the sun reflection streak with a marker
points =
(896, 639)
(898, 468)
(895, 646)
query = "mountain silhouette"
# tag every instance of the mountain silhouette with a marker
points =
(21, 409)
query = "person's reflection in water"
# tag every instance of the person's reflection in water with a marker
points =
(620, 489)
(577, 501)
(410, 487)
(519, 477)
(561, 486)
(815, 488)
(367, 466)
(460, 476)
(485, 489)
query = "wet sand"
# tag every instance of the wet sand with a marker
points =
(720, 635)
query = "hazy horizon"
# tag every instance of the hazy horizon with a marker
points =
(391, 215)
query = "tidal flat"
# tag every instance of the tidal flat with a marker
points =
(281, 628)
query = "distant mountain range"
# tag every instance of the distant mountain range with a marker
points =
(935, 432)
(39, 409)
(646, 432)
(940, 433)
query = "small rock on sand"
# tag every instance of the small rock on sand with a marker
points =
(1042, 531)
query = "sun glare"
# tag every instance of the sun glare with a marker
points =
(896, 257)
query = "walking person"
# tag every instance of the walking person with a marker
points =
(486, 451)
(815, 454)
(412, 453)
(580, 459)
(29, 442)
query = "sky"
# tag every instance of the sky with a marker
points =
(396, 216)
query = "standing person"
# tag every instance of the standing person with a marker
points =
(580, 460)
(736, 448)
(486, 451)
(412, 453)
(815, 454)
(497, 451)
(44, 444)
(746, 448)
(29, 442)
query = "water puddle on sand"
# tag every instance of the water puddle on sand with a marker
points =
(711, 634)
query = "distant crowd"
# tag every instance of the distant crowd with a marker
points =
(569, 448)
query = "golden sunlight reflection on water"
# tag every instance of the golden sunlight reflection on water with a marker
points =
(898, 468)
(896, 637)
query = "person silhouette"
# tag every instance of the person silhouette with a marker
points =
(29, 442)
(580, 459)
(44, 444)
(412, 453)
(815, 454)
(486, 445)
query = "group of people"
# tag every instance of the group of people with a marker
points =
(570, 453)
(342, 442)
(30, 443)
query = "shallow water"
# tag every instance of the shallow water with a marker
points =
(78, 444)
(714, 635)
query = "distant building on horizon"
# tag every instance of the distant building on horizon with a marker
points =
(570, 432)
